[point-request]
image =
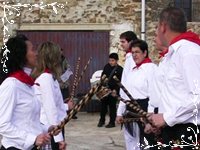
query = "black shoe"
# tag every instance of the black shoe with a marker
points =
(100, 124)
(74, 117)
(110, 125)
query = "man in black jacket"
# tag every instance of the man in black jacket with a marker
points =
(110, 69)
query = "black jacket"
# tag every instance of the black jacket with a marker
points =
(118, 72)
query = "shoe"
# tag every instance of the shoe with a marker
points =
(74, 117)
(100, 124)
(110, 125)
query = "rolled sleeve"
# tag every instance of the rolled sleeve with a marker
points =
(121, 109)
(59, 137)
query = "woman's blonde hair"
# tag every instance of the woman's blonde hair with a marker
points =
(49, 56)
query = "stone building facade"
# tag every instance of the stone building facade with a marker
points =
(119, 15)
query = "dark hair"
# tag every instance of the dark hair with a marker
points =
(128, 35)
(22, 37)
(175, 18)
(16, 57)
(114, 56)
(141, 44)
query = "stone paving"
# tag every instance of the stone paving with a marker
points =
(83, 134)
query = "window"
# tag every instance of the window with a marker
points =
(186, 5)
(191, 8)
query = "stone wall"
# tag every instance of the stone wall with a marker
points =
(123, 15)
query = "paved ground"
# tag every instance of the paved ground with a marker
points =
(83, 134)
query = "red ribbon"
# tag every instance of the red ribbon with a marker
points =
(146, 60)
(162, 54)
(47, 70)
(23, 77)
(129, 51)
(190, 36)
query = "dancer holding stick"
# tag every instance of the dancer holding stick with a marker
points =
(137, 81)
(20, 124)
(53, 109)
(78, 106)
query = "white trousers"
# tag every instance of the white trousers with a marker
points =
(132, 143)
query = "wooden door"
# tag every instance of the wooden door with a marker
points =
(83, 44)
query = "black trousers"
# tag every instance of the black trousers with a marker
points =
(65, 92)
(175, 133)
(13, 148)
(129, 126)
(54, 145)
(108, 102)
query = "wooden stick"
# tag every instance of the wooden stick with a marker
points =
(132, 103)
(134, 115)
(79, 79)
(78, 106)
(126, 120)
(75, 78)
(82, 73)
(84, 70)
(133, 106)
(132, 100)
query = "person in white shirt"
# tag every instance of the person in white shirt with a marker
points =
(137, 82)
(20, 125)
(155, 90)
(53, 109)
(125, 39)
(180, 92)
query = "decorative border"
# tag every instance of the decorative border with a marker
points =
(9, 10)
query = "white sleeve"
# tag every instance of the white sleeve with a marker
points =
(45, 128)
(66, 106)
(121, 108)
(49, 104)
(152, 93)
(129, 64)
(8, 103)
(191, 77)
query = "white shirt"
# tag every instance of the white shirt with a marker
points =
(137, 83)
(128, 65)
(155, 87)
(19, 115)
(53, 109)
(181, 83)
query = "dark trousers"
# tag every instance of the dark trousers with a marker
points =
(13, 148)
(174, 134)
(10, 148)
(54, 145)
(151, 138)
(65, 92)
(110, 102)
